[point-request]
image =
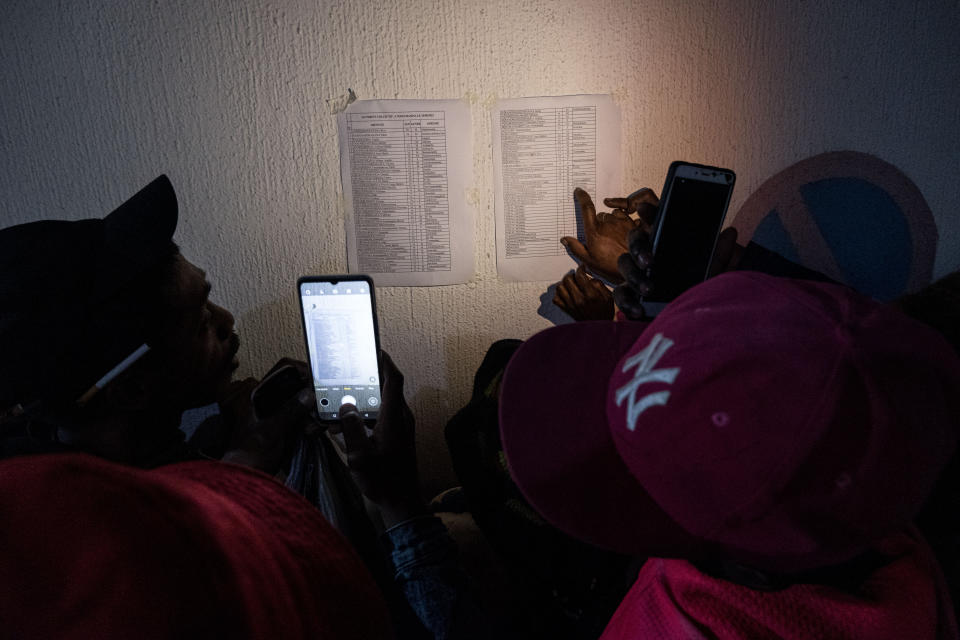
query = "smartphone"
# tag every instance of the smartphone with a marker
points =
(340, 326)
(693, 205)
(275, 390)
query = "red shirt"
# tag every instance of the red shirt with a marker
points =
(906, 598)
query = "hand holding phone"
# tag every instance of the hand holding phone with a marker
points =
(343, 345)
(385, 466)
(605, 234)
(684, 246)
(635, 266)
(693, 206)
(264, 418)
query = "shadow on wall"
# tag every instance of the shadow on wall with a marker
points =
(431, 407)
(434, 407)
(849, 215)
(285, 339)
(549, 310)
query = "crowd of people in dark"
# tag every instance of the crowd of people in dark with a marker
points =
(771, 456)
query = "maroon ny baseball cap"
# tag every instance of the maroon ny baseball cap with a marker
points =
(782, 423)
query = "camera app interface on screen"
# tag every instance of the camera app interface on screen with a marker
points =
(343, 351)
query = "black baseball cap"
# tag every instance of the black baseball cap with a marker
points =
(59, 329)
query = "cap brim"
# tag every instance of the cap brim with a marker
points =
(553, 424)
(148, 214)
(138, 231)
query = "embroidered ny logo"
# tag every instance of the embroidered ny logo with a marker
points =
(645, 361)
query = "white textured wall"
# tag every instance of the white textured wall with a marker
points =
(234, 99)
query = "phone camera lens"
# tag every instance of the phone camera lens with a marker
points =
(324, 402)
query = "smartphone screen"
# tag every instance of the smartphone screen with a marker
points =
(692, 210)
(340, 325)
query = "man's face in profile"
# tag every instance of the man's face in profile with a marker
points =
(198, 346)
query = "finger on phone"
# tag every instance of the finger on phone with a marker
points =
(588, 213)
(647, 213)
(351, 425)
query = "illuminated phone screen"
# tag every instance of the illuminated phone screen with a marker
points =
(341, 340)
(689, 223)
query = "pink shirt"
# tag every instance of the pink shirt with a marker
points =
(906, 598)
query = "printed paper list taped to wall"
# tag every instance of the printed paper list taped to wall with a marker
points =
(543, 149)
(405, 166)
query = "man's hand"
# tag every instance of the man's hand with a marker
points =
(263, 442)
(643, 202)
(634, 266)
(583, 297)
(384, 464)
(606, 236)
